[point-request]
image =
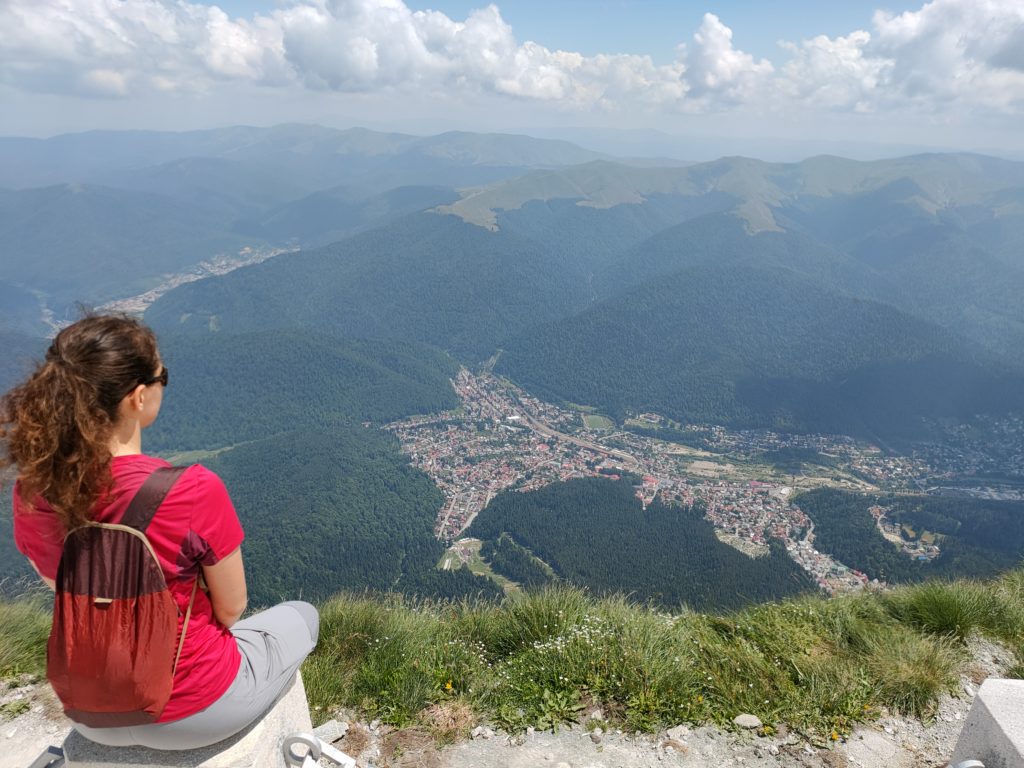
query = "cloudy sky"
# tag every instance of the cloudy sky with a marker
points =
(744, 74)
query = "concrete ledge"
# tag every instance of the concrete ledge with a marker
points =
(994, 730)
(258, 746)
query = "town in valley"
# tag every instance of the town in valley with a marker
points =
(502, 438)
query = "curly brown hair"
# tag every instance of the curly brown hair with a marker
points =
(57, 425)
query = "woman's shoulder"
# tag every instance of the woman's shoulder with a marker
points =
(140, 466)
(202, 484)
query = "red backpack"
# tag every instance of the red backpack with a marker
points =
(111, 655)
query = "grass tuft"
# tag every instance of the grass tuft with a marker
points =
(24, 629)
(952, 609)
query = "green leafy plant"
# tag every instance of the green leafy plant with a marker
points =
(557, 707)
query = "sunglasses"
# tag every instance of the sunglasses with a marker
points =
(161, 377)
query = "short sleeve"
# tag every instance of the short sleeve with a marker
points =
(214, 521)
(38, 535)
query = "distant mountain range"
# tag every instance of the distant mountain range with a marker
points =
(308, 156)
(813, 296)
(604, 282)
(103, 215)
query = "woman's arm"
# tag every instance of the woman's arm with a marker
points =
(48, 582)
(228, 593)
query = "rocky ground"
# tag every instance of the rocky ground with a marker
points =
(30, 720)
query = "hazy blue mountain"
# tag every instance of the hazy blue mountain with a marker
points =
(86, 243)
(425, 277)
(307, 156)
(759, 347)
(21, 334)
(104, 214)
(18, 353)
(722, 240)
(20, 311)
(79, 157)
(999, 227)
(228, 186)
(587, 239)
(760, 189)
(332, 214)
(954, 266)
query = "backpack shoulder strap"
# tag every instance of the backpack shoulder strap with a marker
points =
(150, 496)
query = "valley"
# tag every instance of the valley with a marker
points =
(759, 352)
(220, 264)
(501, 438)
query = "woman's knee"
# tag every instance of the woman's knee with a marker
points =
(309, 614)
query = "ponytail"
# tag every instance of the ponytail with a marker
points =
(58, 424)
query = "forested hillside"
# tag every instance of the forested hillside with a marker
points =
(978, 538)
(424, 278)
(327, 503)
(721, 240)
(332, 214)
(759, 348)
(228, 389)
(325, 511)
(594, 533)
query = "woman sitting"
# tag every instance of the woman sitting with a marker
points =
(74, 433)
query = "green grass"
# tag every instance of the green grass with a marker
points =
(24, 628)
(539, 658)
(478, 566)
(194, 457)
(596, 421)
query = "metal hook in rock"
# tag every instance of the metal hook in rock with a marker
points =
(317, 750)
(307, 739)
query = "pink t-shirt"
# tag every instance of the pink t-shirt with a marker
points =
(196, 525)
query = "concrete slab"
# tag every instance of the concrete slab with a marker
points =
(258, 746)
(994, 731)
(871, 749)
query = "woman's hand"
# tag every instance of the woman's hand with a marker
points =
(226, 584)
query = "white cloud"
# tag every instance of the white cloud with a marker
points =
(963, 52)
(716, 70)
(79, 45)
(833, 73)
(954, 50)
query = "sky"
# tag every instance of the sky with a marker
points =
(675, 77)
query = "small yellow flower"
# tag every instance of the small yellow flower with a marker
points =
(448, 685)
(835, 736)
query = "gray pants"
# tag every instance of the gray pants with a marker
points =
(273, 644)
